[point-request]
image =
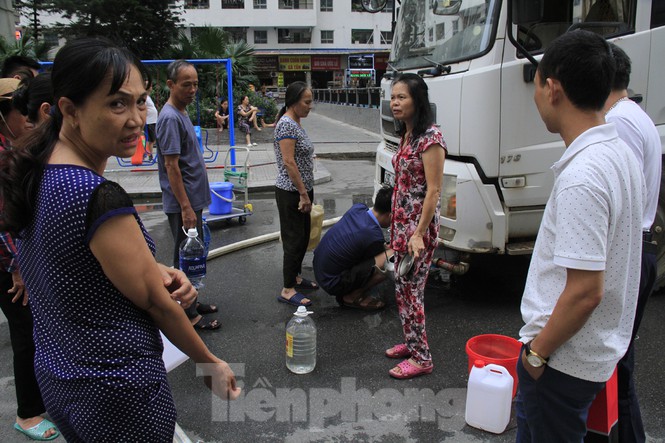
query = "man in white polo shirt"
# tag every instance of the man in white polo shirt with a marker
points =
(580, 296)
(638, 131)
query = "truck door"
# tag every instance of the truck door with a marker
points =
(527, 150)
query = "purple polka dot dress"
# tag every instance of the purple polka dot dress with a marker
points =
(98, 357)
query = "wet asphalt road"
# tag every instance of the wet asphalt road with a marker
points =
(349, 397)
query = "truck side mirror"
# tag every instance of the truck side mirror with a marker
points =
(446, 7)
(374, 5)
(527, 11)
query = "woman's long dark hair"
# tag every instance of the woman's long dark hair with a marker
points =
(32, 93)
(78, 70)
(293, 94)
(422, 118)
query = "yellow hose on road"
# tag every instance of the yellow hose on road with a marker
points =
(255, 241)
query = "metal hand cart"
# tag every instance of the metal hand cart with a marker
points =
(238, 174)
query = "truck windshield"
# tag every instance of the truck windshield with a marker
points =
(442, 31)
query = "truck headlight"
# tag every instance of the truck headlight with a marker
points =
(449, 197)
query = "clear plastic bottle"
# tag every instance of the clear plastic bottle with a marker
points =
(301, 342)
(193, 258)
(207, 235)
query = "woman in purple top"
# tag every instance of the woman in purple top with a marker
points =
(97, 294)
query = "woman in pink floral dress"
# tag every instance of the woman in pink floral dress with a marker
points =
(414, 229)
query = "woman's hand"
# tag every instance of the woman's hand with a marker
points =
(178, 285)
(416, 245)
(305, 204)
(18, 289)
(219, 378)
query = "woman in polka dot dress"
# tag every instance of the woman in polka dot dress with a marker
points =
(414, 226)
(97, 294)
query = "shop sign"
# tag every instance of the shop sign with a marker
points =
(325, 63)
(361, 61)
(360, 73)
(265, 64)
(295, 63)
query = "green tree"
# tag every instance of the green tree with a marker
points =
(143, 26)
(213, 43)
(26, 46)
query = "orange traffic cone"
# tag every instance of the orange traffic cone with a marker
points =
(137, 158)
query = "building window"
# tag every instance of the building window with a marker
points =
(356, 6)
(260, 4)
(440, 31)
(386, 37)
(326, 6)
(390, 4)
(455, 27)
(296, 4)
(197, 4)
(294, 36)
(327, 36)
(260, 37)
(362, 36)
(233, 4)
(237, 34)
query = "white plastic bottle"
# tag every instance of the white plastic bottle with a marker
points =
(489, 397)
(301, 342)
(193, 258)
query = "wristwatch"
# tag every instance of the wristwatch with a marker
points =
(534, 359)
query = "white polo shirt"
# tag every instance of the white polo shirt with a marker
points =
(592, 221)
(635, 128)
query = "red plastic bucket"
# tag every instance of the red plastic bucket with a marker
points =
(497, 349)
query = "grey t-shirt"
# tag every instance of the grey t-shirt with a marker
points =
(176, 136)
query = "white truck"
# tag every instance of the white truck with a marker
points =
(477, 57)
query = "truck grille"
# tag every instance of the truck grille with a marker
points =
(390, 146)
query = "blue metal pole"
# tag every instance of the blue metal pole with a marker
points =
(232, 131)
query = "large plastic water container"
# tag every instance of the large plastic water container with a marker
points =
(489, 397)
(316, 216)
(496, 349)
(301, 342)
(221, 194)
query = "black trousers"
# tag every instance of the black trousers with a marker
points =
(175, 223)
(19, 318)
(294, 227)
(631, 428)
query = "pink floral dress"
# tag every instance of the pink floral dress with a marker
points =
(408, 198)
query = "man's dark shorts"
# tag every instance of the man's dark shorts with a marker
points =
(352, 279)
(152, 135)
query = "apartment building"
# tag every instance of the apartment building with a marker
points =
(327, 43)
(8, 20)
(322, 42)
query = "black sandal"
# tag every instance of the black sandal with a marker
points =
(372, 305)
(204, 324)
(203, 308)
(306, 284)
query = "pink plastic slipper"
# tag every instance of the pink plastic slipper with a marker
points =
(398, 351)
(409, 370)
